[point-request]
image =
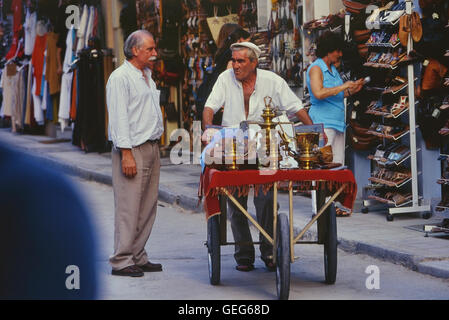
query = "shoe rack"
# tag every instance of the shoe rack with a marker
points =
(394, 168)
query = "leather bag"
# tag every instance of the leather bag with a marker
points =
(354, 6)
(215, 23)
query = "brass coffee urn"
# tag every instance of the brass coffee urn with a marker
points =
(307, 149)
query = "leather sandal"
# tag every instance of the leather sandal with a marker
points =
(416, 27)
(340, 212)
(404, 29)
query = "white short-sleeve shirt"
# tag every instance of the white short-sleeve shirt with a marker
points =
(228, 92)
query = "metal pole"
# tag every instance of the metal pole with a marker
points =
(412, 118)
(290, 198)
(275, 220)
(250, 218)
(324, 208)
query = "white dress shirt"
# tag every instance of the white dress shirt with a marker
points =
(228, 92)
(133, 105)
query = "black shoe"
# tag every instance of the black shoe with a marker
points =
(131, 271)
(244, 267)
(269, 264)
(151, 267)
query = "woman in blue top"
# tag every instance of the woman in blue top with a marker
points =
(327, 92)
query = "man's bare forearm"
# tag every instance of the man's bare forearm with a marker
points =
(208, 116)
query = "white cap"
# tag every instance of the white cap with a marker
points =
(248, 45)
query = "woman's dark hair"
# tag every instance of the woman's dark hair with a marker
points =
(328, 42)
(229, 34)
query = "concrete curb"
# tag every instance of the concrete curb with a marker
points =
(412, 262)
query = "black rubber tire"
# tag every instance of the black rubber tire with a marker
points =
(330, 246)
(213, 249)
(365, 210)
(390, 217)
(283, 257)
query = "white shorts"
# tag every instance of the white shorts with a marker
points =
(336, 139)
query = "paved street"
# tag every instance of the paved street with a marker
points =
(178, 243)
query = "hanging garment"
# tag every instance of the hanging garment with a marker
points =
(65, 100)
(48, 103)
(89, 132)
(16, 8)
(108, 65)
(81, 33)
(66, 80)
(51, 71)
(95, 26)
(16, 49)
(29, 96)
(38, 61)
(10, 91)
(17, 116)
(30, 32)
(26, 72)
(37, 110)
(90, 26)
(74, 100)
(69, 54)
(55, 102)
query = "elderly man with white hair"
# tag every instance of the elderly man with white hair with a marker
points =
(135, 127)
(242, 90)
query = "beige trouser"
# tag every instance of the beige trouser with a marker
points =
(135, 205)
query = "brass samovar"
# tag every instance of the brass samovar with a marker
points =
(272, 150)
(307, 153)
(307, 149)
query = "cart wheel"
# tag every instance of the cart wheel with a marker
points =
(365, 210)
(283, 258)
(390, 217)
(330, 246)
(213, 249)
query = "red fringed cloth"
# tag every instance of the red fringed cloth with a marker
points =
(239, 183)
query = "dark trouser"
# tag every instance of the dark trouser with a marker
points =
(245, 254)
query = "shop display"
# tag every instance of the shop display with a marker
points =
(284, 37)
(388, 109)
(402, 46)
(35, 95)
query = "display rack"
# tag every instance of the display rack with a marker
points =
(443, 206)
(414, 202)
